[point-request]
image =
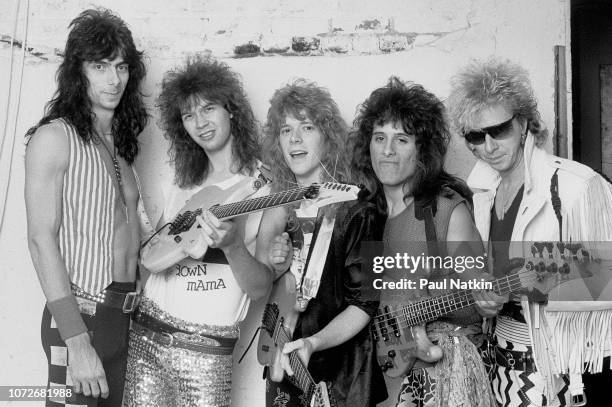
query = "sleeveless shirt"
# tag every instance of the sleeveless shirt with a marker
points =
(405, 233)
(86, 230)
(202, 291)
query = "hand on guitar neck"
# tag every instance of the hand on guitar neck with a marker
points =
(303, 347)
(279, 255)
(218, 234)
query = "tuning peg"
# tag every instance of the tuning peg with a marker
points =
(541, 267)
(391, 353)
(564, 269)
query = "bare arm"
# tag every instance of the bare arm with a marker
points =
(254, 274)
(339, 330)
(46, 162)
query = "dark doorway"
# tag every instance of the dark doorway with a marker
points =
(591, 47)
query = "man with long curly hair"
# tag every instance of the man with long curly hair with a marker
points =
(81, 201)
(184, 332)
(400, 145)
(305, 143)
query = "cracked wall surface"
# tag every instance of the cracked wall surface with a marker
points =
(349, 46)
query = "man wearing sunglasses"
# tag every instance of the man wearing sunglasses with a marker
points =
(524, 194)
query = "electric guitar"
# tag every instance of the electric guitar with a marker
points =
(400, 334)
(173, 240)
(279, 319)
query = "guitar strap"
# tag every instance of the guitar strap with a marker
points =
(556, 201)
(425, 211)
(308, 257)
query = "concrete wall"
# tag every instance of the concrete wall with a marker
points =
(349, 46)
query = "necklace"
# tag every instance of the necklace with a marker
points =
(116, 167)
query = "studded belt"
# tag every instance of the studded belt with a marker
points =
(167, 335)
(515, 359)
(126, 302)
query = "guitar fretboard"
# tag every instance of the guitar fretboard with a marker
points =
(257, 204)
(430, 309)
(301, 376)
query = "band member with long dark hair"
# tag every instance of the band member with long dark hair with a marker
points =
(81, 201)
(400, 145)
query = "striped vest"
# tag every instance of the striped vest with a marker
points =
(86, 232)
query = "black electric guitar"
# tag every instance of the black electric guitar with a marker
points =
(173, 241)
(279, 319)
(399, 331)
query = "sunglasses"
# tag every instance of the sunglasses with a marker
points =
(498, 132)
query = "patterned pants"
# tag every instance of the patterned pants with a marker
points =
(169, 376)
(514, 387)
(108, 329)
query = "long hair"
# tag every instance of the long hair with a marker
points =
(303, 99)
(95, 35)
(206, 78)
(421, 114)
(495, 81)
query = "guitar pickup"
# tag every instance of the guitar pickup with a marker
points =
(392, 322)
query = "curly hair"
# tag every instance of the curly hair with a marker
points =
(421, 114)
(97, 34)
(303, 99)
(495, 81)
(205, 78)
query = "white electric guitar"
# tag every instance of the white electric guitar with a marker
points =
(172, 242)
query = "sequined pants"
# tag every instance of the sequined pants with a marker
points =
(168, 376)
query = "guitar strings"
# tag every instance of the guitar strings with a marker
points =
(415, 305)
(428, 312)
(461, 296)
(303, 373)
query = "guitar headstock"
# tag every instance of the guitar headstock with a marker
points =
(333, 192)
(554, 263)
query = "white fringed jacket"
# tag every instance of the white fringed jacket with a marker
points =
(562, 341)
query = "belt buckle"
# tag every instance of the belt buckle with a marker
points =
(132, 299)
(163, 334)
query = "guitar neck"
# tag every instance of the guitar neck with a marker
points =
(432, 308)
(256, 204)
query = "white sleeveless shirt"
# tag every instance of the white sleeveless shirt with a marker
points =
(202, 292)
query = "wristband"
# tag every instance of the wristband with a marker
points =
(67, 316)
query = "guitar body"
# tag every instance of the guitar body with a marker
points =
(399, 330)
(279, 320)
(282, 303)
(398, 348)
(167, 249)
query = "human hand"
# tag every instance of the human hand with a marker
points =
(280, 253)
(304, 348)
(216, 233)
(488, 302)
(85, 367)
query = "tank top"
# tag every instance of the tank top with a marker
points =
(202, 291)
(405, 233)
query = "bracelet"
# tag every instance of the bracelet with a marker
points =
(67, 316)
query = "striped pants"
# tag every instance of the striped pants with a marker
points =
(109, 331)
